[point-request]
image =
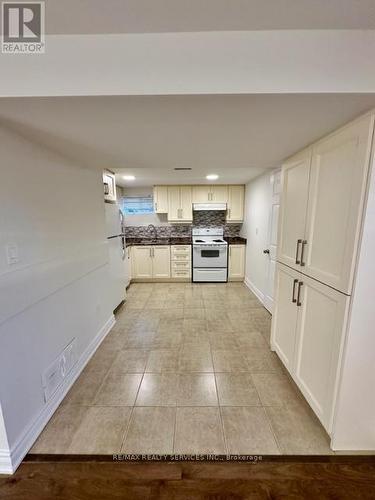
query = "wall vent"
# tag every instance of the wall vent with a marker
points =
(53, 376)
(182, 168)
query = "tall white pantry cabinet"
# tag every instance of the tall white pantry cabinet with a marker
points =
(324, 192)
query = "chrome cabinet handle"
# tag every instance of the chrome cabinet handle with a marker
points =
(156, 206)
(150, 252)
(229, 213)
(304, 243)
(297, 251)
(294, 300)
(299, 303)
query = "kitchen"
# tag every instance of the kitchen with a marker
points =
(212, 291)
(197, 348)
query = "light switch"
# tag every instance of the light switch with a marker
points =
(12, 253)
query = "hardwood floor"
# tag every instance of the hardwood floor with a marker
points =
(58, 477)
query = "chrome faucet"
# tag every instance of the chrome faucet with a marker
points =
(152, 228)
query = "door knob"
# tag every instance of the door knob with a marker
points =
(266, 250)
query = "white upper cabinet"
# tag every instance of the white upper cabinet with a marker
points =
(336, 198)
(204, 194)
(320, 327)
(161, 199)
(323, 195)
(173, 203)
(219, 194)
(180, 208)
(186, 204)
(201, 194)
(236, 200)
(294, 197)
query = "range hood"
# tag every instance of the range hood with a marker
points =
(209, 206)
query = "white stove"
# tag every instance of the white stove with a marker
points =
(210, 255)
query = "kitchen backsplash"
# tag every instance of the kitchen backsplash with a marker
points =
(200, 219)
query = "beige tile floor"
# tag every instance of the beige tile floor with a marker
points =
(186, 369)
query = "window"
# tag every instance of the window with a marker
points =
(137, 205)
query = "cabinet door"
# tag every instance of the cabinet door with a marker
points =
(142, 262)
(186, 213)
(284, 321)
(321, 321)
(161, 199)
(237, 261)
(337, 190)
(236, 196)
(161, 261)
(294, 197)
(173, 203)
(219, 194)
(201, 194)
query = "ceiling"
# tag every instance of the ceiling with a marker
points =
(235, 136)
(157, 16)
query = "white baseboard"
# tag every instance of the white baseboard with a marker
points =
(254, 289)
(5, 462)
(9, 461)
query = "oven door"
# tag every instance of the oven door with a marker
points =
(209, 256)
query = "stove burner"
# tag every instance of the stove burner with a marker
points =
(218, 241)
(199, 241)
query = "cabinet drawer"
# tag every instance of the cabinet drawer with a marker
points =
(181, 265)
(180, 249)
(176, 273)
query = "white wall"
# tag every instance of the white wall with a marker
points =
(354, 424)
(54, 212)
(229, 62)
(258, 196)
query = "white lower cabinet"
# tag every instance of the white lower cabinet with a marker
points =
(151, 262)
(236, 265)
(307, 334)
(181, 262)
(161, 262)
(141, 262)
(284, 321)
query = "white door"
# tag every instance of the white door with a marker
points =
(284, 320)
(271, 251)
(236, 199)
(201, 194)
(161, 199)
(321, 319)
(173, 203)
(186, 206)
(219, 194)
(337, 190)
(294, 198)
(142, 262)
(161, 261)
(236, 262)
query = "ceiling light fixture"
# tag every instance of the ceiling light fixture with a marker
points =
(128, 177)
(212, 177)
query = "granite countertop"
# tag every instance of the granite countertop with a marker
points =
(159, 241)
(178, 240)
(235, 240)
